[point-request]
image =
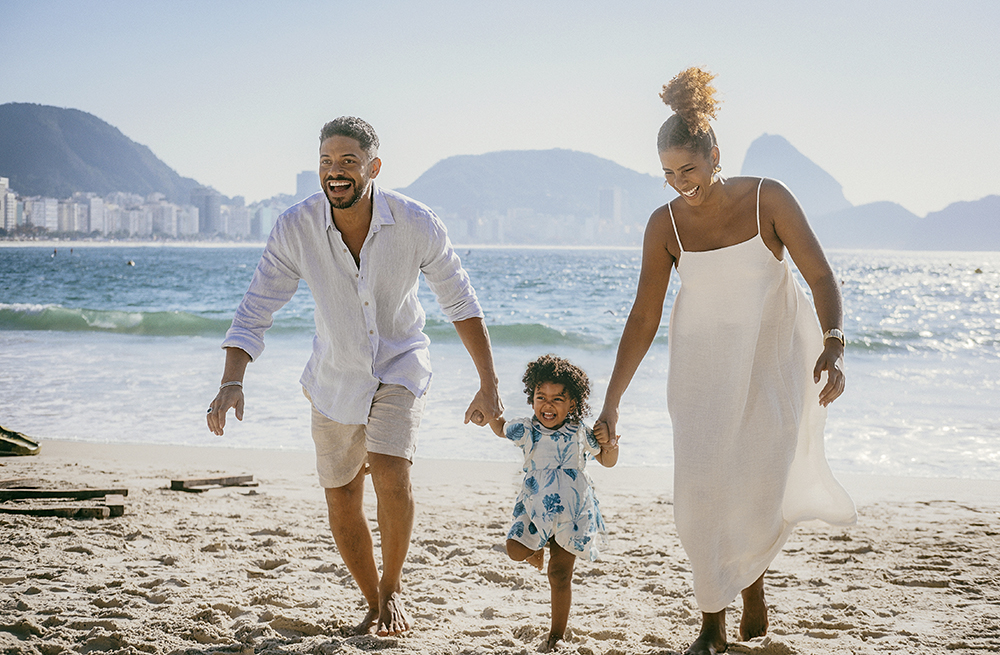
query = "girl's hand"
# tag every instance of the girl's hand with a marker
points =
(831, 361)
(606, 424)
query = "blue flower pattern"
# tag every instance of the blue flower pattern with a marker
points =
(557, 498)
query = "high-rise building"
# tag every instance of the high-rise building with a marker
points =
(306, 184)
(8, 205)
(209, 204)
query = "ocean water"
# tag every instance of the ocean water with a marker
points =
(121, 344)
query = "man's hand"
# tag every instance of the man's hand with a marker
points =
(485, 407)
(227, 398)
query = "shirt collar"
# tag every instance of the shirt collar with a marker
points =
(381, 214)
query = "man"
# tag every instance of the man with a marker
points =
(361, 250)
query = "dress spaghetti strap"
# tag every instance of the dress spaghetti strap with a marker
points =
(673, 224)
(759, 184)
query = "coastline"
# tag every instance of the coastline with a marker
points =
(246, 570)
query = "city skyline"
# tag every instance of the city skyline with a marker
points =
(888, 97)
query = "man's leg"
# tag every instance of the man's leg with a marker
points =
(391, 479)
(354, 541)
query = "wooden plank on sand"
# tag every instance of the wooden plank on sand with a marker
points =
(77, 494)
(204, 484)
(64, 511)
(20, 483)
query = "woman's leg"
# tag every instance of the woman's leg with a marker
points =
(560, 572)
(712, 638)
(754, 621)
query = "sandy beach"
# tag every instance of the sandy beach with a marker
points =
(255, 570)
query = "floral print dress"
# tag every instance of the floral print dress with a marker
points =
(557, 498)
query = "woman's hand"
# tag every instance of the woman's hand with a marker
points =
(605, 426)
(831, 361)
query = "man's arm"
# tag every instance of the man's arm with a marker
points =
(486, 406)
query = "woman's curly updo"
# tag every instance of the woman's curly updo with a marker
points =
(549, 368)
(692, 98)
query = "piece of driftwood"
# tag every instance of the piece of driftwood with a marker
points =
(65, 511)
(20, 483)
(198, 485)
(76, 494)
(15, 443)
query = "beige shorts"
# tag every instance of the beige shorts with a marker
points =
(342, 449)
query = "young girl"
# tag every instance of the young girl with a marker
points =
(556, 505)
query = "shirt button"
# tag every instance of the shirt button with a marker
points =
(366, 303)
(371, 331)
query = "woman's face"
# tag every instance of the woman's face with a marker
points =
(690, 173)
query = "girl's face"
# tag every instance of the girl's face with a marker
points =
(552, 404)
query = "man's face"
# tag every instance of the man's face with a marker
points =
(345, 171)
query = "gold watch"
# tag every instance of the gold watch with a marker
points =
(835, 333)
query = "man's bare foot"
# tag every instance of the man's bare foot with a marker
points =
(712, 638)
(367, 625)
(536, 559)
(392, 618)
(754, 622)
(553, 643)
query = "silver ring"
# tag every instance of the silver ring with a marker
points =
(209, 411)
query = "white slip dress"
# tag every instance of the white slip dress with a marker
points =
(749, 460)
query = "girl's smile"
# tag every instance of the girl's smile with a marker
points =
(551, 404)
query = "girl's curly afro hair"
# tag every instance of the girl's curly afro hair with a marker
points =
(691, 96)
(549, 368)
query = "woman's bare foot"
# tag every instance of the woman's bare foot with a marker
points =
(553, 643)
(392, 618)
(536, 559)
(367, 625)
(712, 638)
(754, 622)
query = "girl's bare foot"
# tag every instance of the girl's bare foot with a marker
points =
(392, 618)
(536, 559)
(553, 643)
(754, 622)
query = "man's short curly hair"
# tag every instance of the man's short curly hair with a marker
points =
(354, 128)
(549, 368)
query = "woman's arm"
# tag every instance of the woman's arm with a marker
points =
(791, 229)
(644, 319)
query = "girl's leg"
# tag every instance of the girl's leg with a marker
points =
(561, 563)
(521, 553)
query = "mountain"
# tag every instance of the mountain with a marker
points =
(883, 225)
(817, 191)
(50, 151)
(519, 196)
(973, 225)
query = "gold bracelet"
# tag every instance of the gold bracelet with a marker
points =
(835, 333)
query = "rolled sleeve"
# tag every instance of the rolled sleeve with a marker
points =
(445, 276)
(274, 282)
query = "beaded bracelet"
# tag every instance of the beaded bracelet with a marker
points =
(231, 383)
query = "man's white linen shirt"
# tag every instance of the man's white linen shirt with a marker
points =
(369, 321)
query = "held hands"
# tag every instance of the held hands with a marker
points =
(485, 407)
(831, 361)
(227, 398)
(603, 436)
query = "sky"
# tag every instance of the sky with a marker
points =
(896, 99)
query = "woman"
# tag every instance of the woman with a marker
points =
(751, 368)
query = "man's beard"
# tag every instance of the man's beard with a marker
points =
(347, 203)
